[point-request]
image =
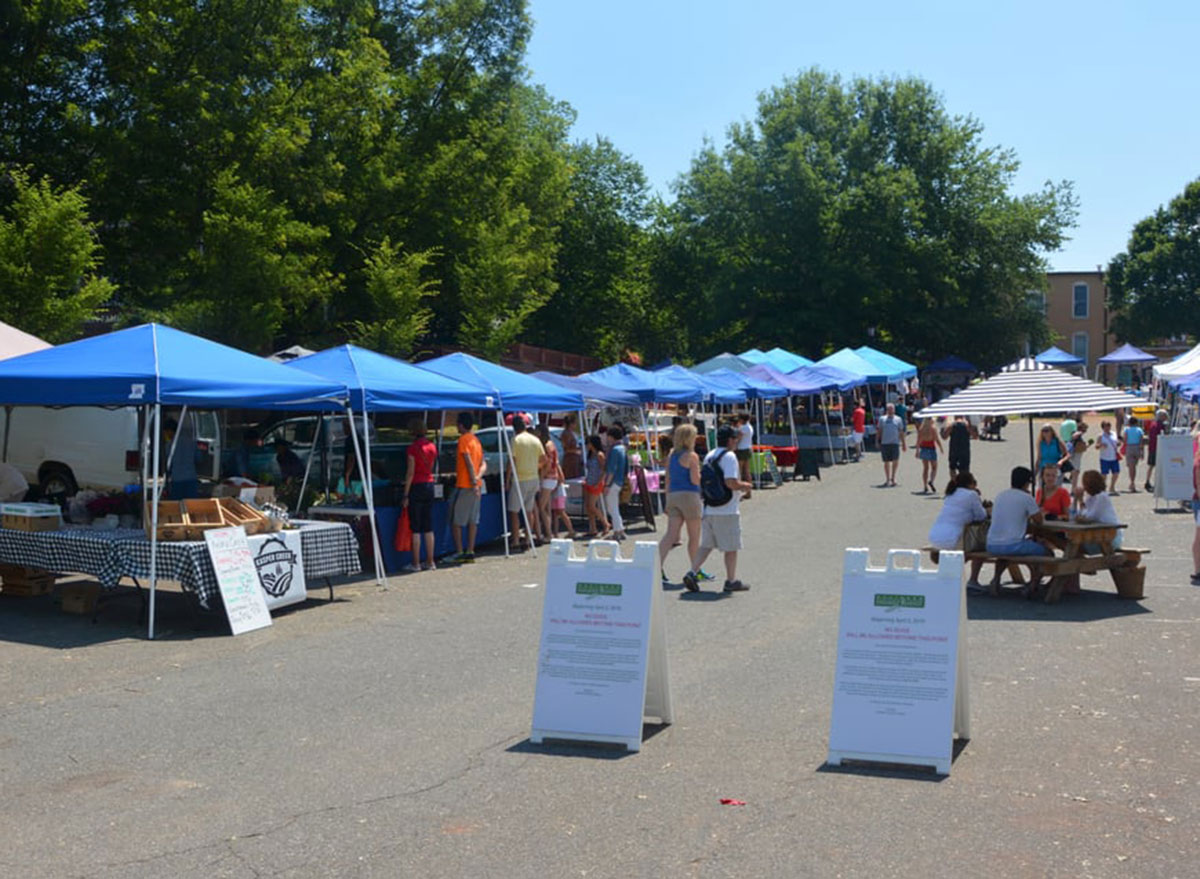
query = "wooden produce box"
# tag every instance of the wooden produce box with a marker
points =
(237, 512)
(80, 598)
(25, 582)
(30, 517)
(172, 524)
(202, 514)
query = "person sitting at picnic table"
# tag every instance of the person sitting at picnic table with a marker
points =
(1052, 497)
(1096, 506)
(961, 507)
(1012, 512)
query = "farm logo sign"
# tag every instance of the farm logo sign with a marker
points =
(276, 566)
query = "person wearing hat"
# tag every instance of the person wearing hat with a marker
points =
(721, 527)
(290, 465)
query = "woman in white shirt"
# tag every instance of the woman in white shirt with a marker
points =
(1096, 506)
(961, 507)
(1110, 461)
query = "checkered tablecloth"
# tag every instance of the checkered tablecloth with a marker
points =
(329, 550)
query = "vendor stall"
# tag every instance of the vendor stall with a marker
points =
(152, 366)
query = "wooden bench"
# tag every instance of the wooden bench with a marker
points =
(1060, 570)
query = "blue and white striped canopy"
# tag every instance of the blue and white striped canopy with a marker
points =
(1033, 391)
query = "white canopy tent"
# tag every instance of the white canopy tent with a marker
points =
(1185, 364)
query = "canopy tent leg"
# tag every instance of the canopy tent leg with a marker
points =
(500, 437)
(369, 487)
(828, 435)
(312, 451)
(1032, 464)
(8, 410)
(792, 425)
(156, 495)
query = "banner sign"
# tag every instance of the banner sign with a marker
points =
(237, 578)
(280, 566)
(602, 658)
(899, 692)
(1173, 470)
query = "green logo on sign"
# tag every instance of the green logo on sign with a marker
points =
(597, 588)
(884, 600)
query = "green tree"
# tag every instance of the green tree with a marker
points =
(1154, 285)
(603, 298)
(49, 260)
(255, 269)
(849, 205)
(399, 285)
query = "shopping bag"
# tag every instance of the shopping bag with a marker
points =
(403, 533)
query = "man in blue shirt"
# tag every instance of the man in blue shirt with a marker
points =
(616, 468)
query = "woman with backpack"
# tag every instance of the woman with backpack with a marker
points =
(684, 506)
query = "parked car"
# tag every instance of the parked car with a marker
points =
(63, 450)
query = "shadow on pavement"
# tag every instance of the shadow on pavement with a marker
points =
(703, 595)
(894, 770)
(592, 750)
(1088, 606)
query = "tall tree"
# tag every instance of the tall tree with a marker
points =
(849, 205)
(1154, 285)
(49, 259)
(603, 297)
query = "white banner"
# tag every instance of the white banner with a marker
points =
(1173, 468)
(280, 565)
(901, 662)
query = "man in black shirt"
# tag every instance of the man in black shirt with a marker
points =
(959, 434)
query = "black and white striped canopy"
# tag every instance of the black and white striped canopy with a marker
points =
(1026, 364)
(1031, 392)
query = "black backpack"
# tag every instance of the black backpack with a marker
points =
(712, 482)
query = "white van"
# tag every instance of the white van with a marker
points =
(65, 449)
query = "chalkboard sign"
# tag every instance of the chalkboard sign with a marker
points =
(237, 578)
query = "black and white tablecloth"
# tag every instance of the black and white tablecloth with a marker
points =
(328, 548)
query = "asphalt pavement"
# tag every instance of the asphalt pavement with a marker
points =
(387, 733)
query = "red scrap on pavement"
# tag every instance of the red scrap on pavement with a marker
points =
(726, 801)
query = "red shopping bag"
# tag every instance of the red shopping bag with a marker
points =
(403, 533)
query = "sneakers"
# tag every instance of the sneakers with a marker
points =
(1148, 486)
(690, 583)
(466, 558)
(735, 586)
(666, 581)
(704, 576)
(410, 569)
(1196, 579)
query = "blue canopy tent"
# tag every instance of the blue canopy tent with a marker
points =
(666, 385)
(1053, 356)
(886, 362)
(378, 383)
(1126, 355)
(710, 391)
(754, 355)
(853, 362)
(507, 390)
(726, 361)
(593, 392)
(829, 377)
(952, 364)
(753, 386)
(151, 366)
(785, 361)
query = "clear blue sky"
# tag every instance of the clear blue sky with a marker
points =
(1105, 94)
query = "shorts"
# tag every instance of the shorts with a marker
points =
(742, 454)
(1133, 454)
(685, 505)
(890, 452)
(1067, 467)
(465, 510)
(526, 490)
(1151, 456)
(1196, 511)
(928, 454)
(959, 463)
(549, 484)
(723, 533)
(558, 500)
(595, 490)
(1021, 547)
(857, 437)
(1107, 467)
(420, 507)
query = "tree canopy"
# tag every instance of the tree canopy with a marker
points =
(386, 171)
(1154, 285)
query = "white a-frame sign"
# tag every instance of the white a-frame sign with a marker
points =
(900, 690)
(602, 658)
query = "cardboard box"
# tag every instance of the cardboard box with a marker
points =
(30, 517)
(80, 598)
(251, 494)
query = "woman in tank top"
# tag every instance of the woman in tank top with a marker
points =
(684, 506)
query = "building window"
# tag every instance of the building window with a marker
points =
(1079, 346)
(1036, 300)
(1079, 301)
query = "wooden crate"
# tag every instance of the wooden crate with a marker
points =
(25, 582)
(202, 514)
(80, 598)
(30, 517)
(172, 523)
(237, 512)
